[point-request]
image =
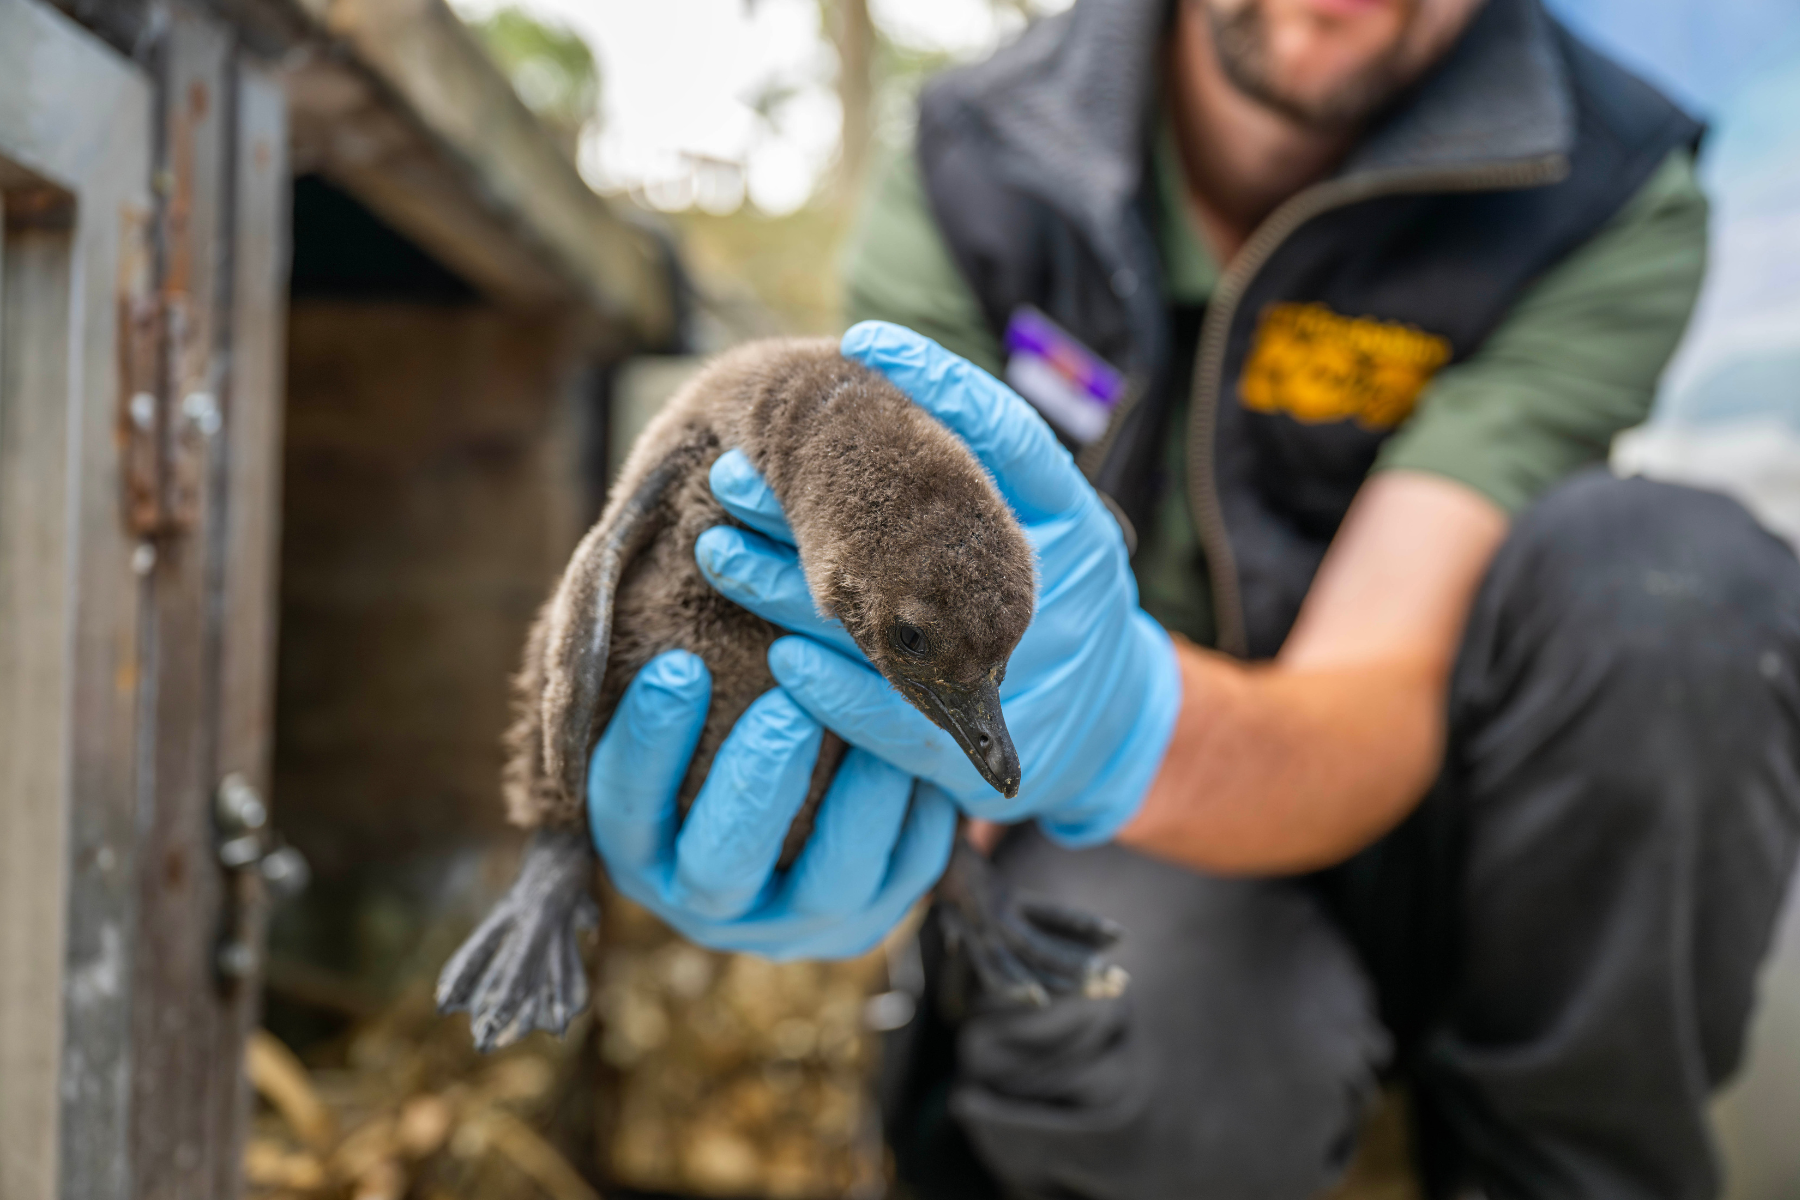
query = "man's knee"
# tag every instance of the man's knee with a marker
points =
(1626, 731)
(1237, 1064)
(1647, 615)
(1672, 572)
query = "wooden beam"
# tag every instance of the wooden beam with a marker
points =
(35, 264)
(245, 549)
(430, 71)
(76, 115)
(422, 51)
(343, 129)
(183, 1021)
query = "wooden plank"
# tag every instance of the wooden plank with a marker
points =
(34, 356)
(251, 528)
(96, 1072)
(75, 114)
(421, 53)
(343, 129)
(178, 1007)
(246, 536)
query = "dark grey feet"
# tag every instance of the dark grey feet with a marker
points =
(1022, 952)
(521, 969)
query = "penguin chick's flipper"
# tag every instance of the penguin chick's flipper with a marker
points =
(579, 633)
(1023, 952)
(521, 969)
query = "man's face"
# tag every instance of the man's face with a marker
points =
(1330, 63)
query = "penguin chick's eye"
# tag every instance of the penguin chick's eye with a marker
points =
(910, 639)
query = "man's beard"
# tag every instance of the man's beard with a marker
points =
(1241, 41)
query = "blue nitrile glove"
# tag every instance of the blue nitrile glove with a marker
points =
(875, 847)
(1091, 692)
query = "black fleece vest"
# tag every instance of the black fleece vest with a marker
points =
(1424, 249)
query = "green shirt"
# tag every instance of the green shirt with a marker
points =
(1573, 363)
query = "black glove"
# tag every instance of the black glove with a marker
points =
(1029, 1078)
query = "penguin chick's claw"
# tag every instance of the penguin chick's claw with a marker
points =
(521, 969)
(1023, 952)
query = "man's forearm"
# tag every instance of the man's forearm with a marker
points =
(1300, 763)
(1275, 770)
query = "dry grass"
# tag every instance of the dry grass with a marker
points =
(415, 1113)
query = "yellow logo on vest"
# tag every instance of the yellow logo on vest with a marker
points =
(1317, 366)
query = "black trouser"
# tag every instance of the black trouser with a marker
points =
(1557, 950)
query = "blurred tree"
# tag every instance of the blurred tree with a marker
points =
(550, 67)
(900, 71)
(853, 32)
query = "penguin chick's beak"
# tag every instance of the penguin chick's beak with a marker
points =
(973, 718)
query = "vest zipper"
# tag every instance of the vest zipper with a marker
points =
(1215, 329)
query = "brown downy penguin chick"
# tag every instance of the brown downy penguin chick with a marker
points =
(899, 531)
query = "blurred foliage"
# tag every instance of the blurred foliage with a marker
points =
(900, 71)
(764, 275)
(550, 67)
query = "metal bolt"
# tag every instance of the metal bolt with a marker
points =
(142, 408)
(202, 411)
(236, 959)
(241, 852)
(287, 873)
(240, 809)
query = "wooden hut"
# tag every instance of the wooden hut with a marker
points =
(439, 374)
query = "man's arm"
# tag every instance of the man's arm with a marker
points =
(1302, 762)
(1299, 763)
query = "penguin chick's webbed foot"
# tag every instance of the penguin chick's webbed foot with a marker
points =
(1023, 952)
(521, 969)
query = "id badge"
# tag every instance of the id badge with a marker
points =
(1075, 389)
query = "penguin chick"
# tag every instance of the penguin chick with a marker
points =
(902, 537)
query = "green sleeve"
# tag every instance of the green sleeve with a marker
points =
(897, 268)
(1577, 358)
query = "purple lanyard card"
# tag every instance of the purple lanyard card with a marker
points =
(1075, 389)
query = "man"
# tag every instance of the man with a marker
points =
(1468, 766)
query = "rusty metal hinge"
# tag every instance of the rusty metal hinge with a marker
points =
(169, 413)
(165, 446)
(140, 423)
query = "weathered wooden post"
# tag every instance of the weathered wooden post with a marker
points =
(143, 173)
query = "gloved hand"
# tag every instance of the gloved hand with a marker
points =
(875, 847)
(1091, 692)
